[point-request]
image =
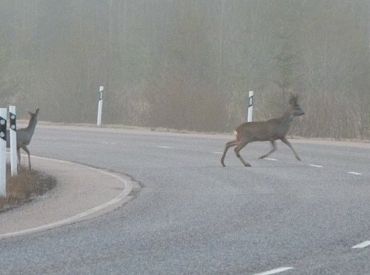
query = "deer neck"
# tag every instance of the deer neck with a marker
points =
(31, 125)
(286, 120)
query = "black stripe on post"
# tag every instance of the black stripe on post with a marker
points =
(13, 121)
(3, 128)
(251, 101)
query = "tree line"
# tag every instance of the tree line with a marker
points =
(189, 64)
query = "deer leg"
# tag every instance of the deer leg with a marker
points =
(19, 157)
(24, 147)
(291, 147)
(237, 152)
(273, 143)
(227, 146)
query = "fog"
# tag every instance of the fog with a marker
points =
(189, 64)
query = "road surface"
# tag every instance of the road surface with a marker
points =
(191, 216)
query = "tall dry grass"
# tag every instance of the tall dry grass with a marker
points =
(24, 187)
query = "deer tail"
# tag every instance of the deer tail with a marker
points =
(236, 133)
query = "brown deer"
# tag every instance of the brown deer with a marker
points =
(269, 130)
(24, 136)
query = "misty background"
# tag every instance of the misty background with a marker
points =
(189, 64)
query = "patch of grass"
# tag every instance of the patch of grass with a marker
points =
(24, 187)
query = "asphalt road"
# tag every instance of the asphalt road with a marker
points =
(191, 216)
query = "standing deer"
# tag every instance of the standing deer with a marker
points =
(269, 130)
(24, 136)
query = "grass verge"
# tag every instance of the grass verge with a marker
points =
(24, 187)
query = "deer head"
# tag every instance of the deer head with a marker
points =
(295, 109)
(33, 118)
(35, 113)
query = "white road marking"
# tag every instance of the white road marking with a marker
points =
(108, 143)
(354, 173)
(275, 271)
(362, 245)
(114, 203)
(271, 159)
(316, 165)
(218, 153)
(164, 147)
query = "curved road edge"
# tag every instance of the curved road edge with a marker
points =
(82, 193)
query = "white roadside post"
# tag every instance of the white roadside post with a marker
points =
(100, 106)
(3, 116)
(13, 140)
(250, 106)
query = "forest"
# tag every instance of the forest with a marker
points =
(189, 64)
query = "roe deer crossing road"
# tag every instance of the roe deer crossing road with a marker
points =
(269, 130)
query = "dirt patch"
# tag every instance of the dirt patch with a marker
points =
(25, 187)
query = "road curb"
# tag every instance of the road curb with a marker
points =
(122, 198)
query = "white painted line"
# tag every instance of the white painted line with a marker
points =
(275, 271)
(218, 153)
(271, 159)
(114, 203)
(164, 147)
(316, 165)
(362, 245)
(354, 173)
(108, 143)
